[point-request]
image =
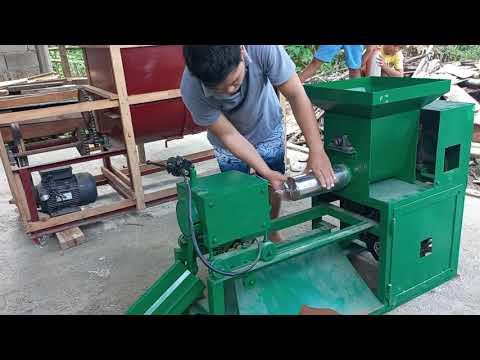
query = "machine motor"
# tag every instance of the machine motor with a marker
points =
(61, 192)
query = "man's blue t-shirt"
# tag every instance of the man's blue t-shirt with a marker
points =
(259, 113)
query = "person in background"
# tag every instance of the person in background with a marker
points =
(326, 53)
(384, 60)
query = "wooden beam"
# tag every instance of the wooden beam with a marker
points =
(154, 96)
(21, 200)
(8, 169)
(5, 84)
(33, 86)
(27, 115)
(42, 129)
(117, 184)
(100, 92)
(64, 61)
(79, 215)
(141, 153)
(123, 177)
(126, 119)
(166, 194)
(27, 100)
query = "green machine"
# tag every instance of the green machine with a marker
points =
(402, 159)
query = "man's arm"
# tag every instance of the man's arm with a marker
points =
(244, 150)
(366, 55)
(302, 108)
(310, 70)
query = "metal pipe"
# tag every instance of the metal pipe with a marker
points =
(306, 185)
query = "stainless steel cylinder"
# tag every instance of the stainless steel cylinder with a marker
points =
(306, 185)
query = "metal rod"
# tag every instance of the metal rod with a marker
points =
(307, 185)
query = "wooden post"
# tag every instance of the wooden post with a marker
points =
(8, 169)
(64, 61)
(126, 117)
(141, 153)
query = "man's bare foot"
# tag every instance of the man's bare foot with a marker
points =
(275, 237)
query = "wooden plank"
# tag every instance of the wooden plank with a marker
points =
(70, 237)
(123, 177)
(79, 215)
(128, 133)
(78, 80)
(5, 84)
(43, 129)
(64, 61)
(108, 211)
(27, 100)
(157, 195)
(19, 88)
(100, 92)
(27, 115)
(41, 75)
(47, 90)
(21, 200)
(8, 169)
(154, 96)
(118, 184)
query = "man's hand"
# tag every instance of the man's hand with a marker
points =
(319, 164)
(276, 180)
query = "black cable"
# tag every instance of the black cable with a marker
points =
(197, 249)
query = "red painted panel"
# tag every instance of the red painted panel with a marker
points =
(147, 69)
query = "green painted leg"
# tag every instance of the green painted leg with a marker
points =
(216, 297)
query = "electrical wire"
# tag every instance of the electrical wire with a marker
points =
(197, 249)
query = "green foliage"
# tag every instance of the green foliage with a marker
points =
(75, 60)
(447, 53)
(302, 55)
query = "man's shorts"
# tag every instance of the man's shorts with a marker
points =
(271, 150)
(353, 54)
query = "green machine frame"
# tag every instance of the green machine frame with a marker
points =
(408, 155)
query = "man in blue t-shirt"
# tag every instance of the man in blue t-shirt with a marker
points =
(229, 89)
(326, 53)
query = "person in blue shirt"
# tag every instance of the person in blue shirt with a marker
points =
(229, 89)
(326, 53)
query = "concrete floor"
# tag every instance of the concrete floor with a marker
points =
(123, 256)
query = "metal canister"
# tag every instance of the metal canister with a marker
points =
(307, 185)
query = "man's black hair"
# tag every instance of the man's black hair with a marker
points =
(211, 63)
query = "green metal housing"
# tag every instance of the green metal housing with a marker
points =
(409, 160)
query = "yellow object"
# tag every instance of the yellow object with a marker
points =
(393, 61)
